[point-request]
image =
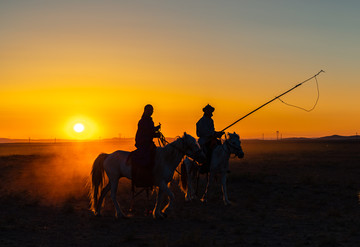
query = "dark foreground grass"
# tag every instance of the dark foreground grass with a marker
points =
(283, 194)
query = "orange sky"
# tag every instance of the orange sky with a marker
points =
(100, 63)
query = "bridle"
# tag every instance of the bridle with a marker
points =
(230, 146)
(192, 155)
(163, 142)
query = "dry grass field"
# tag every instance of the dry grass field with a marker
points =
(284, 193)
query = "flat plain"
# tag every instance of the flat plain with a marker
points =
(284, 193)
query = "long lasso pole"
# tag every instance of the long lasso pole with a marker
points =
(272, 100)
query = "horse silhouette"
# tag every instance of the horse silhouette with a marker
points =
(219, 163)
(115, 166)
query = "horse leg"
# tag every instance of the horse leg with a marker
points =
(190, 190)
(197, 182)
(210, 178)
(156, 212)
(194, 175)
(104, 191)
(224, 189)
(114, 185)
(171, 196)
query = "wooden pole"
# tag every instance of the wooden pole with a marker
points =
(271, 100)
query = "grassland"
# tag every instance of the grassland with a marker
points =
(284, 193)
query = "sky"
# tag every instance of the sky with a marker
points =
(100, 62)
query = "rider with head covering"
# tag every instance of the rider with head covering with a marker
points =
(143, 157)
(146, 130)
(205, 130)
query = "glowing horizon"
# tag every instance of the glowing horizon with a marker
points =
(101, 63)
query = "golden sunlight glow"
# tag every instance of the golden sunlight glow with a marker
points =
(103, 63)
(79, 127)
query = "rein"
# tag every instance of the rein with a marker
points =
(163, 142)
(230, 145)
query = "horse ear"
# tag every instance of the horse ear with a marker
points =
(185, 134)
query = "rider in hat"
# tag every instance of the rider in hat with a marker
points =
(205, 130)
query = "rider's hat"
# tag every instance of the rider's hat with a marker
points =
(208, 108)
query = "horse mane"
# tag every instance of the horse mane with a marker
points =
(170, 151)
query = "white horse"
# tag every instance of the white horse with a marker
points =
(219, 164)
(167, 158)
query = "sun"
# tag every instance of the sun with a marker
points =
(79, 127)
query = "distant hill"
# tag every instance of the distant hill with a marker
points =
(339, 138)
(8, 140)
(325, 138)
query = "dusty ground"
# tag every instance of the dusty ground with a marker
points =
(283, 193)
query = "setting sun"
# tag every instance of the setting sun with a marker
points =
(103, 63)
(79, 127)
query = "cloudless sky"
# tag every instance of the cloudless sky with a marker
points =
(101, 62)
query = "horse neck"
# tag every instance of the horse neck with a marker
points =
(173, 153)
(225, 148)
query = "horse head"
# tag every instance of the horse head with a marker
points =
(192, 148)
(234, 144)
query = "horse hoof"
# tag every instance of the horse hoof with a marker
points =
(158, 216)
(203, 200)
(123, 216)
(97, 214)
(187, 200)
(126, 216)
(164, 215)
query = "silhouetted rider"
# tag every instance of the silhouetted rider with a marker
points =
(144, 136)
(205, 130)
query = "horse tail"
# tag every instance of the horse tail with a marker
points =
(97, 180)
(184, 176)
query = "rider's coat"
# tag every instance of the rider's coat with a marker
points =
(205, 130)
(145, 133)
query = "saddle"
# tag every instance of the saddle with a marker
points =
(142, 165)
(208, 150)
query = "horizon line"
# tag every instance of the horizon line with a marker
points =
(62, 140)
